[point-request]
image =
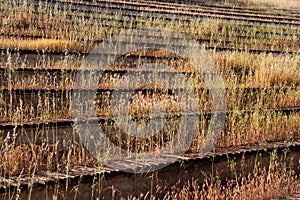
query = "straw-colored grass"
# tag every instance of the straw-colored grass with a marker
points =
(276, 75)
(26, 159)
(260, 185)
(19, 21)
(38, 44)
(290, 4)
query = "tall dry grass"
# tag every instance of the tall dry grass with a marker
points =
(261, 185)
(286, 4)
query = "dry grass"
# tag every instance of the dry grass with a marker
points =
(261, 184)
(290, 4)
(238, 69)
(20, 21)
(38, 44)
(26, 159)
(274, 75)
(258, 187)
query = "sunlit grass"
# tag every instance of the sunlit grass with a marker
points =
(291, 4)
(38, 44)
(256, 84)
